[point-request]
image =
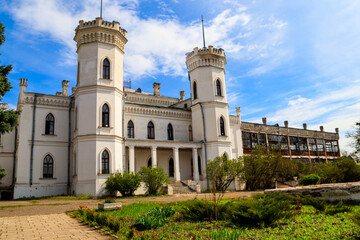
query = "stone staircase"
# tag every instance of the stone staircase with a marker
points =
(181, 188)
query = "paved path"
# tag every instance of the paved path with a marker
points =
(46, 218)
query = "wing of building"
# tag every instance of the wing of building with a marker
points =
(70, 144)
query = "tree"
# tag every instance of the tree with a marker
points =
(2, 173)
(356, 139)
(125, 183)
(221, 172)
(8, 118)
(154, 179)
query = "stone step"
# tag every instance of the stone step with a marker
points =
(181, 188)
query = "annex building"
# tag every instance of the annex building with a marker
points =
(69, 143)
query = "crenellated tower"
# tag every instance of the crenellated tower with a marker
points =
(99, 100)
(210, 117)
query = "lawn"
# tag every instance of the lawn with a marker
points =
(307, 223)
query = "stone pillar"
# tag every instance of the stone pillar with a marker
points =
(153, 157)
(177, 164)
(131, 159)
(196, 167)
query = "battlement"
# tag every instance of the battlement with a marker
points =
(205, 51)
(23, 82)
(205, 57)
(98, 22)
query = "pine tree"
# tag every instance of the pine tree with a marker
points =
(8, 118)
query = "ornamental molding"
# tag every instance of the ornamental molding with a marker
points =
(49, 101)
(144, 110)
(151, 99)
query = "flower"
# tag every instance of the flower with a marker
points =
(172, 204)
(109, 218)
(160, 204)
(136, 232)
(155, 235)
(127, 207)
(213, 200)
(232, 198)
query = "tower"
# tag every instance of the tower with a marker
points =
(210, 117)
(99, 98)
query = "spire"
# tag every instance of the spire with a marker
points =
(203, 31)
(101, 8)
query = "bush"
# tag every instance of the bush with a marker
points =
(2, 173)
(125, 183)
(310, 201)
(109, 200)
(332, 209)
(356, 217)
(154, 179)
(154, 218)
(310, 179)
(261, 211)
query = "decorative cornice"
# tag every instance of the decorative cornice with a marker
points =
(150, 99)
(205, 57)
(145, 110)
(49, 101)
(233, 119)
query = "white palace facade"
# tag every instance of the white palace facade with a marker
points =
(69, 144)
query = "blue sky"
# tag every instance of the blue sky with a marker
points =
(287, 60)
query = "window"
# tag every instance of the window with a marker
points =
(195, 90)
(77, 74)
(149, 162)
(171, 167)
(170, 132)
(320, 145)
(218, 88)
(222, 126)
(49, 124)
(105, 162)
(185, 105)
(105, 115)
(106, 69)
(130, 129)
(190, 133)
(199, 165)
(151, 130)
(76, 116)
(246, 137)
(48, 167)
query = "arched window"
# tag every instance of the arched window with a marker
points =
(106, 69)
(199, 165)
(195, 90)
(171, 167)
(105, 115)
(190, 133)
(222, 126)
(48, 167)
(218, 87)
(130, 129)
(105, 162)
(149, 163)
(170, 132)
(151, 130)
(49, 124)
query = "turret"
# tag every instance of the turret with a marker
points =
(22, 85)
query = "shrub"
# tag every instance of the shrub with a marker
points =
(154, 179)
(356, 217)
(332, 209)
(2, 173)
(311, 201)
(109, 200)
(310, 179)
(125, 183)
(155, 217)
(262, 210)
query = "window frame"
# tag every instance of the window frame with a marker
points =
(194, 88)
(170, 132)
(48, 167)
(105, 162)
(150, 130)
(130, 129)
(105, 115)
(106, 69)
(222, 126)
(49, 124)
(218, 87)
(171, 167)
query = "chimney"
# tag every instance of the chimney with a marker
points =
(286, 124)
(238, 111)
(23, 85)
(337, 130)
(322, 128)
(65, 87)
(73, 90)
(304, 126)
(3, 106)
(156, 87)
(182, 95)
(264, 120)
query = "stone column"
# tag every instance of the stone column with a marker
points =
(153, 157)
(131, 159)
(196, 167)
(177, 164)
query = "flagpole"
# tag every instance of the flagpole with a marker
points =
(203, 31)
(101, 8)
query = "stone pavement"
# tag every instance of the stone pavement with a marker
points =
(52, 226)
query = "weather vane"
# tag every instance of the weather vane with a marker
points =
(203, 31)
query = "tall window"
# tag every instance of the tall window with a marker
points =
(105, 115)
(218, 87)
(105, 162)
(130, 129)
(170, 132)
(171, 167)
(195, 90)
(222, 126)
(106, 69)
(149, 163)
(49, 124)
(48, 167)
(190, 133)
(199, 165)
(151, 130)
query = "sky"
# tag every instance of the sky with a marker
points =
(286, 60)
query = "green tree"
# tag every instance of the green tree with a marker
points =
(154, 179)
(8, 118)
(125, 183)
(2, 173)
(356, 139)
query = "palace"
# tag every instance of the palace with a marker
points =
(70, 144)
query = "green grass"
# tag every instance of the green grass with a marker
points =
(309, 224)
(27, 205)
